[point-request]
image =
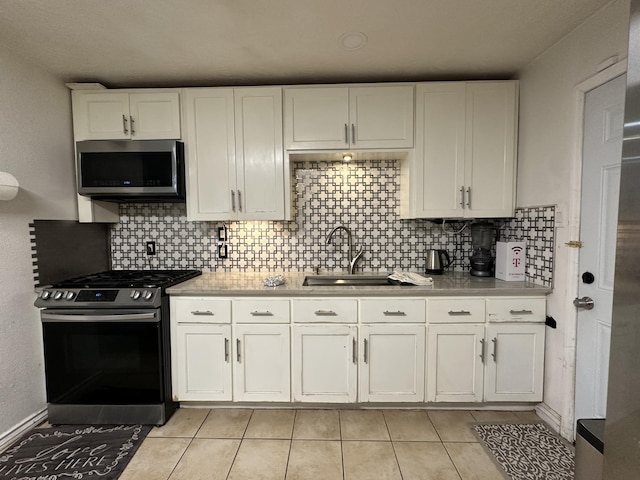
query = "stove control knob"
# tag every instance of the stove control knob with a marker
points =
(58, 295)
(147, 295)
(135, 295)
(70, 295)
(45, 295)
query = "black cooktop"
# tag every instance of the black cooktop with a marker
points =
(129, 278)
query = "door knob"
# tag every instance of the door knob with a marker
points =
(584, 302)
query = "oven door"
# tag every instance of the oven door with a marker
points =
(103, 357)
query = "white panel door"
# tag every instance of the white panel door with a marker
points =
(490, 149)
(203, 363)
(440, 143)
(392, 363)
(155, 116)
(262, 368)
(381, 117)
(324, 363)
(514, 362)
(100, 116)
(454, 363)
(602, 152)
(210, 152)
(259, 154)
(316, 118)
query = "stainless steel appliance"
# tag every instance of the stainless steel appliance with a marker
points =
(107, 348)
(436, 261)
(622, 425)
(131, 170)
(483, 236)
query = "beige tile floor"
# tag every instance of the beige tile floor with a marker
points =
(261, 444)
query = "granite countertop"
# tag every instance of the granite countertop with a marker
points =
(227, 284)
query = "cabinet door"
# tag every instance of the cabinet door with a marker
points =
(454, 363)
(203, 362)
(259, 154)
(210, 151)
(438, 179)
(262, 368)
(100, 116)
(490, 149)
(515, 362)
(324, 363)
(381, 117)
(155, 116)
(316, 118)
(392, 363)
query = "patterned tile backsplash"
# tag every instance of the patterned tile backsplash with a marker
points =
(361, 195)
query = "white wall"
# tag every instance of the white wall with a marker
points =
(36, 146)
(547, 149)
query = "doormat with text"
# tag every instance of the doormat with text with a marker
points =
(528, 451)
(70, 452)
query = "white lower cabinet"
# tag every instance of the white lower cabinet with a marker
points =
(515, 362)
(324, 363)
(203, 362)
(261, 365)
(392, 363)
(454, 363)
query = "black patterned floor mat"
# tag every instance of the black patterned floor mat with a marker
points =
(528, 451)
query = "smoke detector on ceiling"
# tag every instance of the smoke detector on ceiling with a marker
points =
(352, 40)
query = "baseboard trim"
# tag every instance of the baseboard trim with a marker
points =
(549, 415)
(11, 435)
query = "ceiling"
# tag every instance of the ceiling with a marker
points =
(134, 43)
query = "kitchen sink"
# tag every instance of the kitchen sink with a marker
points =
(345, 281)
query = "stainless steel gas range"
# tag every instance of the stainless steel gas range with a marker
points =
(107, 347)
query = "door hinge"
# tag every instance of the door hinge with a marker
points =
(574, 244)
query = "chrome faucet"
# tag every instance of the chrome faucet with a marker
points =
(353, 259)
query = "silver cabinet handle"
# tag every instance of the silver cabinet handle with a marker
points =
(266, 313)
(131, 121)
(354, 354)
(325, 313)
(482, 350)
(124, 125)
(239, 201)
(458, 313)
(462, 197)
(365, 354)
(353, 134)
(226, 350)
(346, 134)
(398, 313)
(469, 197)
(495, 349)
(233, 200)
(201, 312)
(238, 350)
(520, 312)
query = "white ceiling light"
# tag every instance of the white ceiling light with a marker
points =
(352, 40)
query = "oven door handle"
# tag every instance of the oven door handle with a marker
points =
(114, 317)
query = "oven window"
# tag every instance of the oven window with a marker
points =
(94, 363)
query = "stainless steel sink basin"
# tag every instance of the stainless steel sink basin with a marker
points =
(345, 281)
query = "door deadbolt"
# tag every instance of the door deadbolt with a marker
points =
(588, 278)
(584, 302)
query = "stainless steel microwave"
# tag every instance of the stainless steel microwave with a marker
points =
(131, 170)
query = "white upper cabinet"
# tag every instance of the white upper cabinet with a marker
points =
(330, 118)
(234, 153)
(465, 156)
(118, 115)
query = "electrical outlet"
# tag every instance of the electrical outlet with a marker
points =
(151, 247)
(222, 250)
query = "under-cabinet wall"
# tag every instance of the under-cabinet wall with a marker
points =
(361, 195)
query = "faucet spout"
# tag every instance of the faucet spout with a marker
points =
(353, 259)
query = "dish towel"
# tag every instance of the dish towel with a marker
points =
(411, 278)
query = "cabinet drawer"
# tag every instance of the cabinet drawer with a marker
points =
(325, 310)
(261, 311)
(393, 310)
(516, 309)
(200, 310)
(455, 310)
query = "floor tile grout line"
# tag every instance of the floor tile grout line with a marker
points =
(344, 473)
(293, 426)
(393, 447)
(235, 457)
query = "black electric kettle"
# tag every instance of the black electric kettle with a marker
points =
(436, 262)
